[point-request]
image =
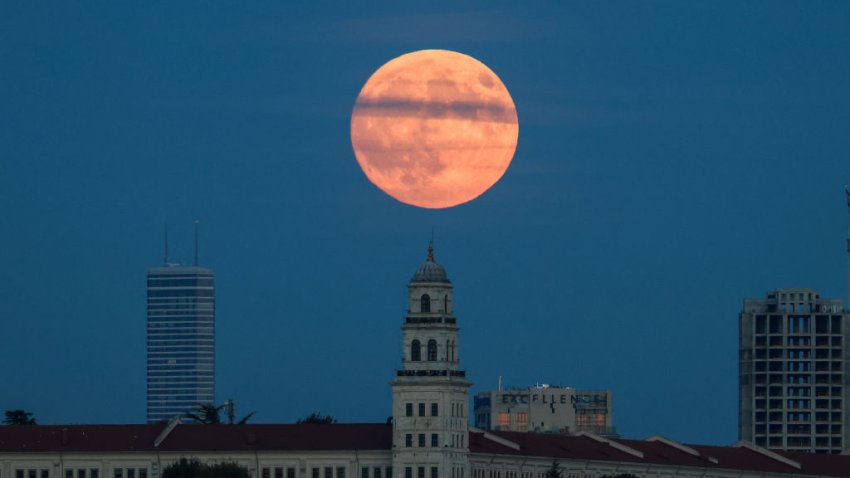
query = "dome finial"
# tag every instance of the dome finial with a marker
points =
(431, 251)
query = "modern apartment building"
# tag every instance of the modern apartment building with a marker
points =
(545, 409)
(181, 340)
(793, 390)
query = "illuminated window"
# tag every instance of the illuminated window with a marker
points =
(415, 354)
(432, 350)
(522, 421)
(425, 303)
(504, 420)
(599, 420)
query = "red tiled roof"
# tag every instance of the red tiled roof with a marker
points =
(568, 447)
(109, 438)
(370, 436)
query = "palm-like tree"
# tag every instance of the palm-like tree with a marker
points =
(206, 413)
(210, 414)
(317, 418)
(19, 417)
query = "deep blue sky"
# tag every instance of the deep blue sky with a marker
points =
(674, 158)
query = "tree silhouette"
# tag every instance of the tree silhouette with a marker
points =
(195, 469)
(19, 417)
(210, 414)
(554, 471)
(316, 418)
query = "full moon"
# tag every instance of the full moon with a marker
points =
(434, 128)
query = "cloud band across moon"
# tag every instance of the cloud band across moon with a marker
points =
(404, 107)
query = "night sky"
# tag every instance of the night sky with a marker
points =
(674, 158)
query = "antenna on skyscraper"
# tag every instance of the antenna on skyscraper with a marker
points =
(165, 246)
(196, 242)
(847, 197)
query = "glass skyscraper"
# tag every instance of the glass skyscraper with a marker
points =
(181, 340)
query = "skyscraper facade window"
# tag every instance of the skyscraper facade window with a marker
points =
(181, 340)
(793, 389)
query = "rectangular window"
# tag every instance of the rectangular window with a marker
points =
(389, 473)
(433, 409)
(364, 472)
(408, 409)
(19, 473)
(421, 439)
(267, 473)
(315, 473)
(421, 409)
(522, 421)
(504, 420)
(435, 440)
(434, 473)
(32, 474)
(68, 474)
(117, 473)
(131, 473)
(290, 472)
(46, 474)
(278, 472)
(376, 473)
(420, 472)
(340, 472)
(329, 472)
(143, 473)
(81, 473)
(408, 440)
(408, 472)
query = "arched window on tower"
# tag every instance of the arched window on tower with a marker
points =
(425, 303)
(432, 350)
(415, 354)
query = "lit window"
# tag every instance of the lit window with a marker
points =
(504, 420)
(522, 421)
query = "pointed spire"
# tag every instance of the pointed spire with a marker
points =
(431, 251)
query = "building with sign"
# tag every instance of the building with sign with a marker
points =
(794, 381)
(545, 409)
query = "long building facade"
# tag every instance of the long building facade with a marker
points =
(793, 362)
(428, 436)
(180, 340)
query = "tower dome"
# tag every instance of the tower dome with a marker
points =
(430, 271)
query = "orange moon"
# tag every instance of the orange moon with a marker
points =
(434, 128)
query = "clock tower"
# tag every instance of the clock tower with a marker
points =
(430, 391)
